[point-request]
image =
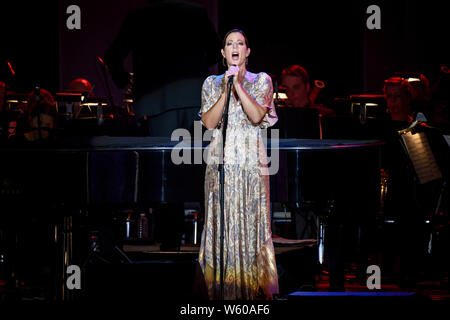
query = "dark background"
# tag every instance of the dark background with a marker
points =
(330, 40)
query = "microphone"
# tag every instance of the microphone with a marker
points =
(230, 78)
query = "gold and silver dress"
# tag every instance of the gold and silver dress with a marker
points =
(249, 258)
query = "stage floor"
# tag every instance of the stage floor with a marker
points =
(426, 290)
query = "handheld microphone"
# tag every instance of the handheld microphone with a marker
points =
(230, 78)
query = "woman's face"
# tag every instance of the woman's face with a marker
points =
(235, 50)
(397, 103)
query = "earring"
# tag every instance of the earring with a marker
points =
(224, 62)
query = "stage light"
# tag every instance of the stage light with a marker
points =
(281, 96)
(93, 104)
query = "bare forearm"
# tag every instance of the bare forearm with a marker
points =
(252, 109)
(212, 117)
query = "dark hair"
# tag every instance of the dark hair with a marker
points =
(233, 31)
(296, 71)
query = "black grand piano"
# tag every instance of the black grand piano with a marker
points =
(88, 175)
(139, 170)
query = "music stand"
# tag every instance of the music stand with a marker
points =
(417, 147)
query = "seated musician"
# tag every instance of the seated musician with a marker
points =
(295, 80)
(397, 92)
(420, 93)
(41, 115)
(403, 200)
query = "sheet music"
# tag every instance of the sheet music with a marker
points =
(422, 157)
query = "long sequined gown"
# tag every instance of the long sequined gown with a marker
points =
(249, 258)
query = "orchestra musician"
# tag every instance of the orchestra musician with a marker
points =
(295, 80)
(41, 115)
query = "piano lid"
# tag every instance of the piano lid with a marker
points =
(109, 143)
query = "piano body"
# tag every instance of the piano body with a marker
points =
(84, 176)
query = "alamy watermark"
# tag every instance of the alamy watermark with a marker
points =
(73, 21)
(374, 20)
(374, 279)
(252, 151)
(73, 280)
